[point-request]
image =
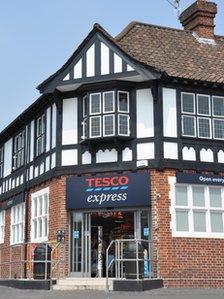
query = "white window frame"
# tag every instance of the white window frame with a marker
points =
(2, 227)
(104, 116)
(210, 127)
(104, 93)
(213, 127)
(216, 116)
(19, 153)
(209, 102)
(17, 224)
(128, 98)
(90, 103)
(128, 117)
(84, 124)
(190, 208)
(35, 196)
(190, 113)
(90, 126)
(182, 125)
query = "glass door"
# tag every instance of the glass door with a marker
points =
(81, 244)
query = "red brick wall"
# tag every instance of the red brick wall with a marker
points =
(183, 262)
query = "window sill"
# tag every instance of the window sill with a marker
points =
(43, 240)
(198, 235)
(104, 139)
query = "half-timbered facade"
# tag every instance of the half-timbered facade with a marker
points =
(148, 102)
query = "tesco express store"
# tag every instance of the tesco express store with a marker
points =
(105, 208)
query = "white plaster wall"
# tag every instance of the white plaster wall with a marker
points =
(69, 157)
(54, 125)
(221, 156)
(7, 158)
(106, 156)
(127, 154)
(31, 140)
(145, 116)
(86, 158)
(170, 150)
(48, 131)
(206, 155)
(78, 69)
(90, 61)
(145, 151)
(117, 63)
(169, 112)
(189, 154)
(70, 121)
(105, 59)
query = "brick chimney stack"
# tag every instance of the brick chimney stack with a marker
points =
(199, 18)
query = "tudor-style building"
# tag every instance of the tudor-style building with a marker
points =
(126, 141)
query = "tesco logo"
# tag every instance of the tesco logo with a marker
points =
(107, 181)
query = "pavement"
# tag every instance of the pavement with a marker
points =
(11, 293)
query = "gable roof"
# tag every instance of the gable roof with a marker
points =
(97, 30)
(178, 53)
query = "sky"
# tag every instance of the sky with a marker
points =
(37, 37)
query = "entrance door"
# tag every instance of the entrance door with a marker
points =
(81, 245)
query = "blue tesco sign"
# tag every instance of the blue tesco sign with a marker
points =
(124, 190)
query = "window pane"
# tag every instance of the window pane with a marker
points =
(218, 128)
(45, 204)
(35, 207)
(204, 127)
(181, 196)
(218, 106)
(95, 126)
(188, 103)
(199, 221)
(35, 229)
(123, 124)
(215, 197)
(198, 196)
(108, 98)
(203, 102)
(182, 221)
(108, 125)
(40, 227)
(45, 227)
(216, 222)
(123, 101)
(95, 103)
(188, 125)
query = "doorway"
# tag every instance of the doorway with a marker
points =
(92, 232)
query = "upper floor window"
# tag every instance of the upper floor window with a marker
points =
(18, 150)
(202, 116)
(1, 161)
(106, 114)
(17, 223)
(40, 135)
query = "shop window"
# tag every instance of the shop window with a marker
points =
(202, 116)
(105, 114)
(40, 216)
(2, 226)
(17, 223)
(40, 135)
(18, 150)
(197, 211)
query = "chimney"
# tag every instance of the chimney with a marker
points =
(199, 18)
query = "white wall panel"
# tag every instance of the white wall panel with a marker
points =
(78, 69)
(70, 121)
(106, 156)
(69, 157)
(105, 59)
(117, 63)
(48, 130)
(169, 112)
(127, 154)
(189, 154)
(53, 160)
(47, 163)
(145, 116)
(90, 61)
(221, 156)
(54, 125)
(206, 155)
(170, 150)
(7, 158)
(86, 158)
(145, 151)
(31, 140)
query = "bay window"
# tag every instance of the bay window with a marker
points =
(202, 116)
(105, 114)
(198, 211)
